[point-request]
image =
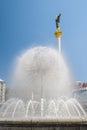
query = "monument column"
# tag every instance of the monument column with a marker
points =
(58, 32)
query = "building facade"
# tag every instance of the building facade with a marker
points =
(2, 91)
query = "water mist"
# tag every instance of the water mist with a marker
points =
(41, 72)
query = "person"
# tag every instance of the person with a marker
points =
(57, 20)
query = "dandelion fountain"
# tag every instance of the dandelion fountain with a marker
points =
(42, 96)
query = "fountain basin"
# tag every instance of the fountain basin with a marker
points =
(45, 124)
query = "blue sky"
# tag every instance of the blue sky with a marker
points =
(27, 23)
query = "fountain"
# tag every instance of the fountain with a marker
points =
(43, 93)
(41, 77)
(41, 96)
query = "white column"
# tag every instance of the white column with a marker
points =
(59, 44)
